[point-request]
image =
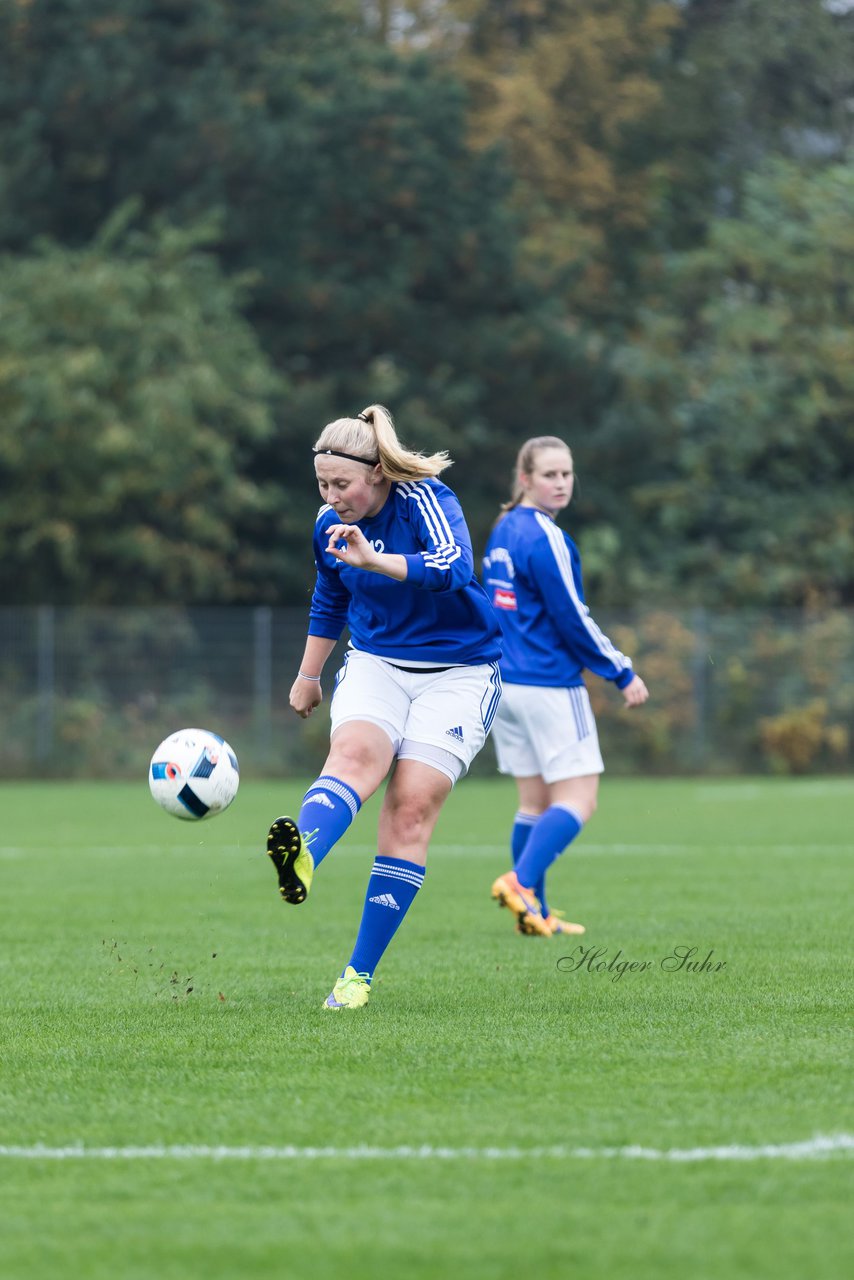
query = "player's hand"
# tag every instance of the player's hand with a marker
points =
(305, 696)
(357, 550)
(635, 692)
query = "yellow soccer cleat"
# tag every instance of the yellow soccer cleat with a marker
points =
(292, 860)
(351, 991)
(557, 924)
(508, 892)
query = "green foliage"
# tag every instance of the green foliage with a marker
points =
(533, 216)
(566, 85)
(379, 249)
(131, 394)
(740, 382)
(102, 100)
(747, 79)
(800, 740)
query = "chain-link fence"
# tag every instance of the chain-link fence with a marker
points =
(91, 692)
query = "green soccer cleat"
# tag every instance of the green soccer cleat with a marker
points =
(351, 991)
(292, 860)
(508, 892)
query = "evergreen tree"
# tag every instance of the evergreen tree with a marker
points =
(736, 411)
(380, 251)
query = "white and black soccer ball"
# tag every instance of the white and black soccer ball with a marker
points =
(194, 774)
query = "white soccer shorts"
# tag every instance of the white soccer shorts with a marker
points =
(545, 731)
(448, 713)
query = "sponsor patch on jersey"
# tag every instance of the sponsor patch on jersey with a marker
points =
(504, 599)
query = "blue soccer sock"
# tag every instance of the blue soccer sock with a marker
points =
(557, 828)
(523, 825)
(328, 808)
(391, 891)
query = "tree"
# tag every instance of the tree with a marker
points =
(131, 392)
(380, 249)
(745, 80)
(566, 86)
(737, 405)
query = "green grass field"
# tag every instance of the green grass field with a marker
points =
(477, 1118)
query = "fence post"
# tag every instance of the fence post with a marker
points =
(45, 680)
(262, 627)
(700, 683)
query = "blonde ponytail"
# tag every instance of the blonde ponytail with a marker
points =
(371, 436)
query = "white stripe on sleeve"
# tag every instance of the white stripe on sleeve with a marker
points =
(560, 552)
(447, 549)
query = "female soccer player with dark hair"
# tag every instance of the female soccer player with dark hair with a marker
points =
(545, 734)
(419, 685)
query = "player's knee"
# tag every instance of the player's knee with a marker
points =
(591, 806)
(412, 819)
(410, 816)
(358, 765)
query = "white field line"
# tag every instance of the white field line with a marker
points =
(820, 1146)
(752, 790)
(450, 850)
(590, 849)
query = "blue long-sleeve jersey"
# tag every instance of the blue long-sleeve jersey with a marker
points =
(532, 573)
(439, 614)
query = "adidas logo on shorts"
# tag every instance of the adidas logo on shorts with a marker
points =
(456, 734)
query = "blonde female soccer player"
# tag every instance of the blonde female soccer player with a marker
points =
(545, 734)
(419, 685)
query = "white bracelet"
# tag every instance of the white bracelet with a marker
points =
(303, 676)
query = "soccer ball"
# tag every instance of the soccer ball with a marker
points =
(194, 774)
